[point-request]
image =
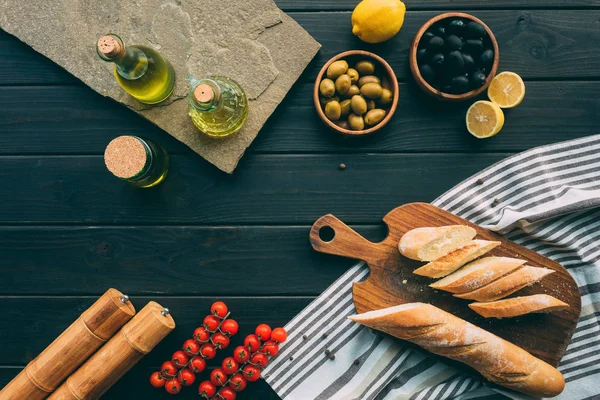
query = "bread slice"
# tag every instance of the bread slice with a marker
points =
(507, 308)
(508, 284)
(477, 274)
(456, 259)
(427, 244)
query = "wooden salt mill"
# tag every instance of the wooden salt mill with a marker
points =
(78, 342)
(136, 339)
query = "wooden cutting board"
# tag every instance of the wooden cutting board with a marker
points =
(391, 281)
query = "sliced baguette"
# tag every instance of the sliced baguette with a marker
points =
(507, 308)
(477, 274)
(427, 244)
(442, 333)
(507, 285)
(456, 259)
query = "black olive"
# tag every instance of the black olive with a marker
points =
(455, 63)
(469, 62)
(475, 30)
(437, 61)
(422, 55)
(447, 89)
(474, 46)
(425, 39)
(427, 72)
(478, 79)
(457, 27)
(460, 84)
(452, 43)
(436, 43)
(441, 31)
(486, 59)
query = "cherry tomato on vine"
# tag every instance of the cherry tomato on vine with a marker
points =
(201, 334)
(252, 343)
(168, 368)
(237, 383)
(241, 354)
(220, 341)
(191, 347)
(271, 348)
(260, 360)
(229, 327)
(207, 389)
(208, 351)
(186, 377)
(218, 377)
(219, 309)
(179, 358)
(227, 394)
(230, 366)
(211, 323)
(173, 386)
(279, 335)
(263, 331)
(251, 373)
(197, 364)
(157, 380)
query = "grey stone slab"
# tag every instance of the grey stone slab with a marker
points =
(250, 41)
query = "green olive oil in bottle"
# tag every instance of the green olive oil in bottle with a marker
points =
(218, 106)
(140, 71)
(137, 161)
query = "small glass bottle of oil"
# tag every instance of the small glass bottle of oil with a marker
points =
(140, 71)
(137, 161)
(218, 106)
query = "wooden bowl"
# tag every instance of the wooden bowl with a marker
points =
(352, 57)
(427, 88)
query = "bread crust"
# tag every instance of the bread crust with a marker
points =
(429, 243)
(516, 306)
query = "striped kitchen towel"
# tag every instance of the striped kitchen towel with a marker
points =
(544, 199)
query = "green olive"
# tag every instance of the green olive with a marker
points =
(336, 69)
(386, 97)
(353, 91)
(325, 100)
(368, 79)
(374, 117)
(353, 74)
(346, 107)
(327, 87)
(333, 110)
(356, 122)
(359, 105)
(342, 124)
(342, 84)
(371, 105)
(371, 90)
(365, 67)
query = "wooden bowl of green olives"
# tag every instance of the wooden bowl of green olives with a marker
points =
(356, 93)
(454, 56)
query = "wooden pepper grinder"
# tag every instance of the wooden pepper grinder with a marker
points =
(78, 342)
(136, 339)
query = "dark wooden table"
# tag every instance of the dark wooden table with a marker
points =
(69, 230)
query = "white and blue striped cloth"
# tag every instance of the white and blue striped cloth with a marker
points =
(545, 201)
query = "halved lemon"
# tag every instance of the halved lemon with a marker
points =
(507, 90)
(484, 119)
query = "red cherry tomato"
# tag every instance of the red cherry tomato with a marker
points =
(197, 364)
(173, 386)
(219, 309)
(157, 380)
(279, 335)
(179, 358)
(271, 348)
(241, 354)
(252, 343)
(168, 369)
(186, 377)
(227, 394)
(211, 323)
(207, 389)
(251, 373)
(229, 327)
(208, 351)
(220, 341)
(201, 334)
(230, 366)
(260, 360)
(191, 347)
(237, 383)
(263, 331)
(218, 377)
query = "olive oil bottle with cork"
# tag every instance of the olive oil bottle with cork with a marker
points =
(217, 105)
(140, 70)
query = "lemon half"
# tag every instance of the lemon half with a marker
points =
(507, 89)
(375, 21)
(484, 119)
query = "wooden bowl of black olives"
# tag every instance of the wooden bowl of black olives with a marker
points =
(454, 56)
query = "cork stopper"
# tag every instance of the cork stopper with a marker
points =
(204, 93)
(125, 157)
(148, 327)
(110, 47)
(108, 314)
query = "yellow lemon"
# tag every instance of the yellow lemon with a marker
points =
(375, 21)
(484, 119)
(507, 90)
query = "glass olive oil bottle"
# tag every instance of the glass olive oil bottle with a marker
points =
(140, 71)
(218, 106)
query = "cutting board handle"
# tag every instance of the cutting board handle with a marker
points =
(345, 241)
